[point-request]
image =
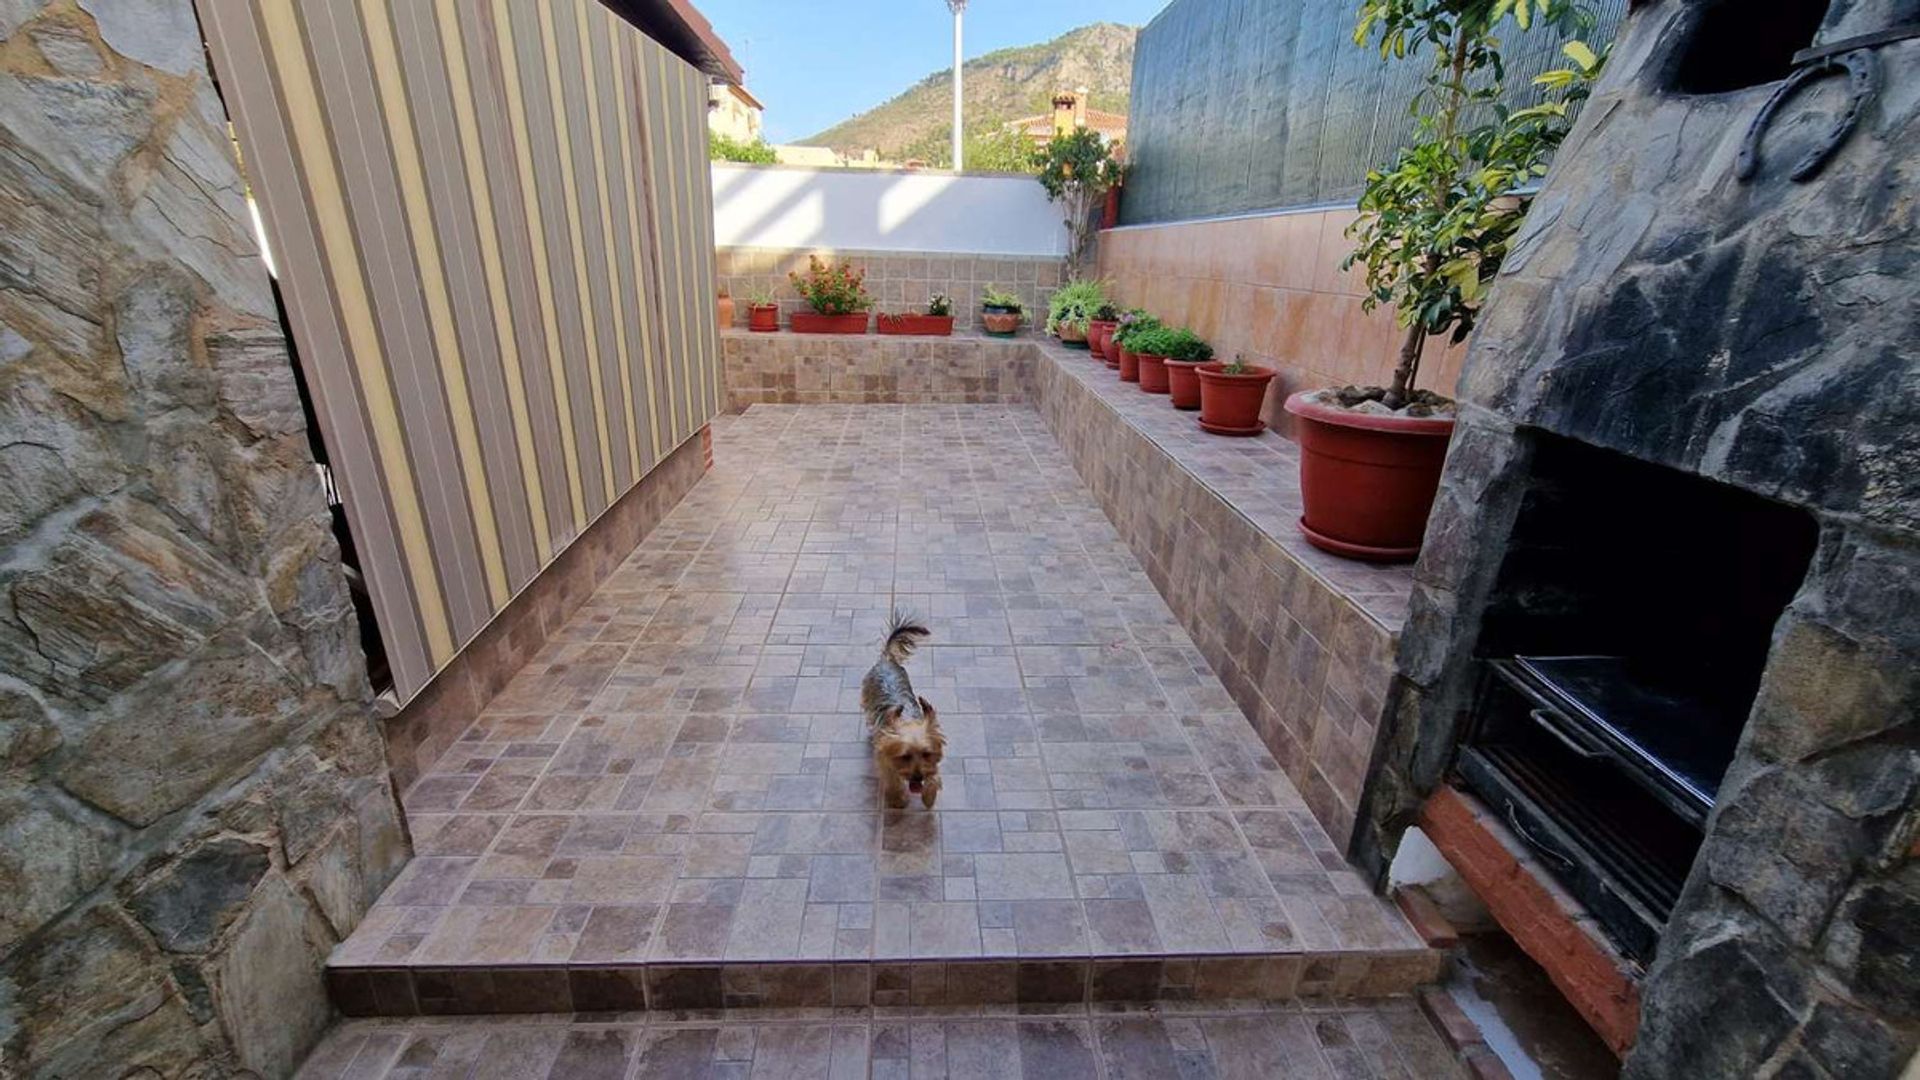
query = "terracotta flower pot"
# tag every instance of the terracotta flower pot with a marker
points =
(812, 322)
(1368, 480)
(725, 306)
(763, 317)
(1183, 383)
(1129, 366)
(1100, 336)
(1000, 322)
(1230, 403)
(1153, 373)
(925, 325)
(1073, 335)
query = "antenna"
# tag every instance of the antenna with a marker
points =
(958, 7)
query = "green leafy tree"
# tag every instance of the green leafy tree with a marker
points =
(723, 148)
(1077, 169)
(990, 148)
(1435, 225)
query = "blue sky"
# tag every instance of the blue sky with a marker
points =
(814, 63)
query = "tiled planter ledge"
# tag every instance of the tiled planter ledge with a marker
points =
(1302, 640)
(788, 368)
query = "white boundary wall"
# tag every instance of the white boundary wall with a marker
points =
(778, 206)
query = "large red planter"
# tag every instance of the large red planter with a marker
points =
(1368, 480)
(1183, 383)
(812, 322)
(1129, 365)
(1153, 373)
(1230, 402)
(928, 325)
(763, 319)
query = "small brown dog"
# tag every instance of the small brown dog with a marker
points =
(907, 744)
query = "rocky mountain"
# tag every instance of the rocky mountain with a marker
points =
(999, 86)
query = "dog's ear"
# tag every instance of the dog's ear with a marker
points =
(926, 710)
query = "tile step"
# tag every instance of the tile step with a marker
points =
(417, 990)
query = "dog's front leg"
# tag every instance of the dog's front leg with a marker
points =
(929, 792)
(894, 788)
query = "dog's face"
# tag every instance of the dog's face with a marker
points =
(911, 749)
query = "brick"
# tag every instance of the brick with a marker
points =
(1542, 918)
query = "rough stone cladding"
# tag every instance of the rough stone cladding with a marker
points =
(1759, 335)
(194, 803)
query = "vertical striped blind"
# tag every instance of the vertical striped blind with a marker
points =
(493, 226)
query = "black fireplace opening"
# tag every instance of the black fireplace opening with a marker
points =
(1621, 652)
(1734, 44)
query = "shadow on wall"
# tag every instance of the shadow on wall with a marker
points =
(841, 209)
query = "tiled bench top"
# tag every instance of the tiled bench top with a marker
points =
(1258, 476)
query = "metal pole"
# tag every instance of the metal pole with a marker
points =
(958, 7)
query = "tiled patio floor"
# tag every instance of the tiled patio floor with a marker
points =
(684, 779)
(1388, 1039)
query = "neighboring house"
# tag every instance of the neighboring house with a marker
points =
(1070, 111)
(826, 157)
(733, 112)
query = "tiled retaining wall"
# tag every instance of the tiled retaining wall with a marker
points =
(429, 724)
(1305, 662)
(787, 368)
(1269, 287)
(898, 280)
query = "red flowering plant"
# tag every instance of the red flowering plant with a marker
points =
(832, 288)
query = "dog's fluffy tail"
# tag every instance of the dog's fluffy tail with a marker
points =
(903, 636)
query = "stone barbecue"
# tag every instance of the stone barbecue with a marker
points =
(1703, 350)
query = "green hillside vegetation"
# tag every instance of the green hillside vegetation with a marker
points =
(1000, 86)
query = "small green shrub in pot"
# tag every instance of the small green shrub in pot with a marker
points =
(837, 293)
(1132, 324)
(763, 311)
(994, 299)
(1071, 307)
(832, 288)
(1000, 312)
(1161, 351)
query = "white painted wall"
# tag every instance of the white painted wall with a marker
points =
(860, 210)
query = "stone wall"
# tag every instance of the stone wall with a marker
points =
(898, 280)
(1758, 334)
(193, 798)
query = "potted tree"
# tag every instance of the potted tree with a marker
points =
(1176, 351)
(936, 321)
(1077, 169)
(1132, 324)
(1433, 230)
(1070, 310)
(837, 293)
(1000, 312)
(1100, 328)
(763, 313)
(1231, 396)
